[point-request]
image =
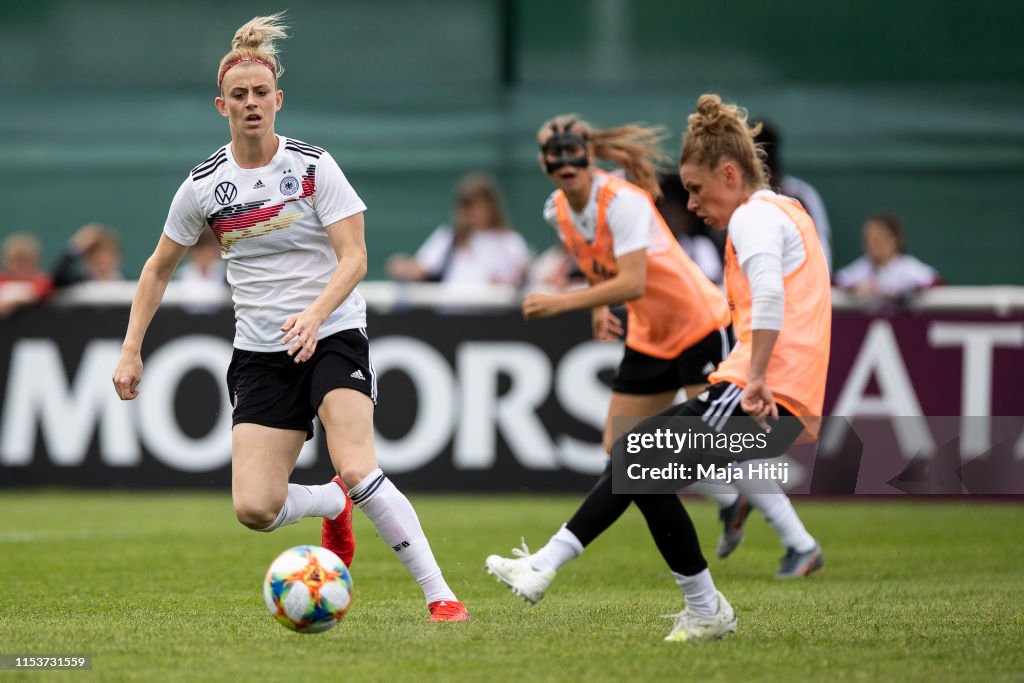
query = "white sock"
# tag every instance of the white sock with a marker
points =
(723, 495)
(397, 523)
(562, 547)
(324, 500)
(699, 592)
(778, 510)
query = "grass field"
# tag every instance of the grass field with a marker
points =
(167, 587)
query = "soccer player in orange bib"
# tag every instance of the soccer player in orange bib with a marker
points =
(779, 293)
(677, 331)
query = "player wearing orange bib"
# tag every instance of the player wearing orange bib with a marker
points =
(676, 333)
(779, 294)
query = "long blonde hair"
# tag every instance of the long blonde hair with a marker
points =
(256, 41)
(717, 130)
(635, 147)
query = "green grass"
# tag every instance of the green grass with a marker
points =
(167, 587)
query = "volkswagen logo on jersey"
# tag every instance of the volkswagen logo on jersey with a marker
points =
(225, 193)
(289, 185)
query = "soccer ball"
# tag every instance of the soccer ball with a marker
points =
(308, 589)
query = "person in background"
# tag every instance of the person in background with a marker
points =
(554, 270)
(688, 229)
(885, 273)
(203, 262)
(478, 247)
(21, 282)
(204, 275)
(92, 255)
(791, 186)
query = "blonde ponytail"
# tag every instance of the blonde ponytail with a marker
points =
(635, 147)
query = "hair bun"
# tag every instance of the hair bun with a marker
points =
(260, 34)
(710, 117)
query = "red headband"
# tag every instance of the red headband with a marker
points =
(254, 60)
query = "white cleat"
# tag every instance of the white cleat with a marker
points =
(690, 626)
(518, 574)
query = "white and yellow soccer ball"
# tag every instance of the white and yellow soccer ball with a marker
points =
(308, 589)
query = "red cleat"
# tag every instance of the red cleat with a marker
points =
(447, 610)
(336, 534)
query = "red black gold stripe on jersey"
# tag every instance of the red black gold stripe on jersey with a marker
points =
(238, 222)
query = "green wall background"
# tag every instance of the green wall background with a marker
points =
(909, 106)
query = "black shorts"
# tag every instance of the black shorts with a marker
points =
(271, 389)
(642, 374)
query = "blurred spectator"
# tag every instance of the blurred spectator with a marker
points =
(478, 247)
(691, 232)
(885, 273)
(796, 188)
(203, 261)
(204, 275)
(554, 269)
(92, 255)
(21, 281)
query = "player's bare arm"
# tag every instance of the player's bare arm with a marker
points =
(349, 242)
(152, 284)
(626, 285)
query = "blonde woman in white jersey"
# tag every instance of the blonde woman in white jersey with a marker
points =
(291, 229)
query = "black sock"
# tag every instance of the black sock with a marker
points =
(599, 509)
(673, 532)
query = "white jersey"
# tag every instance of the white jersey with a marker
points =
(631, 219)
(488, 257)
(270, 224)
(760, 227)
(903, 274)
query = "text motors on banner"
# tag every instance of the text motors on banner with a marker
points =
(473, 402)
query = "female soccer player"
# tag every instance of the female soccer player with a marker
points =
(291, 229)
(778, 286)
(676, 327)
(677, 319)
(777, 282)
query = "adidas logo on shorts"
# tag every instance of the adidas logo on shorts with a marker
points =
(358, 374)
(708, 368)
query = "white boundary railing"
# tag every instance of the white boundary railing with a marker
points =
(383, 295)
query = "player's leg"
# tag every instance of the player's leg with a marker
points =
(698, 363)
(803, 554)
(341, 359)
(708, 615)
(262, 458)
(347, 417)
(600, 508)
(529, 575)
(270, 421)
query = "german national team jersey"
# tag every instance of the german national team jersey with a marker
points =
(270, 224)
